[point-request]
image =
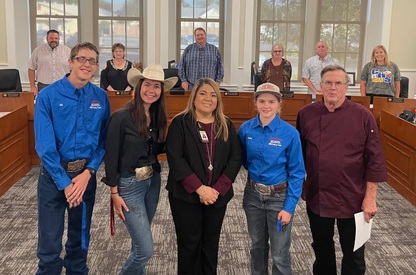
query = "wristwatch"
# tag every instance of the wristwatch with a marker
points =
(92, 171)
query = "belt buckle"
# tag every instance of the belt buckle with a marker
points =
(143, 173)
(75, 166)
(263, 189)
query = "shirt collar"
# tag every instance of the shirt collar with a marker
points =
(272, 125)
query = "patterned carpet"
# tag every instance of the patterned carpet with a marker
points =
(391, 249)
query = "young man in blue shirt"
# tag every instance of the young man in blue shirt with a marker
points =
(71, 116)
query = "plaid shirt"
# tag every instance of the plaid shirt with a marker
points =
(202, 62)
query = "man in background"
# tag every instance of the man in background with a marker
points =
(200, 60)
(344, 163)
(48, 62)
(71, 118)
(311, 73)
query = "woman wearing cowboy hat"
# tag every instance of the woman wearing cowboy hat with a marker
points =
(136, 135)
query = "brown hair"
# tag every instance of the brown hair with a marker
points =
(157, 112)
(84, 45)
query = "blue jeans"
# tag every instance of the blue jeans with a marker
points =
(261, 212)
(51, 218)
(141, 198)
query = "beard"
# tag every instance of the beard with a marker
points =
(53, 44)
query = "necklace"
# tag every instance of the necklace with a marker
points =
(208, 146)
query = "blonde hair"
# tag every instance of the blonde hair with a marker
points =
(386, 56)
(220, 121)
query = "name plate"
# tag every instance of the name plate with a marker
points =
(177, 92)
(231, 93)
(123, 92)
(288, 94)
(11, 94)
(395, 99)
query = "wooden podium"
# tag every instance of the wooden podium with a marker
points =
(118, 99)
(238, 108)
(292, 105)
(14, 147)
(398, 137)
(392, 105)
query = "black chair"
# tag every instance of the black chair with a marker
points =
(257, 80)
(170, 72)
(404, 87)
(10, 80)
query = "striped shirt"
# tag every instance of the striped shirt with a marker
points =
(50, 64)
(199, 63)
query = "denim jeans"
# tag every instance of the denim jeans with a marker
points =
(51, 218)
(261, 212)
(141, 198)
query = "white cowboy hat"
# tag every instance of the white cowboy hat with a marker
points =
(152, 72)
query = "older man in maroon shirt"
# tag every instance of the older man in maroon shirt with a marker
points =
(344, 164)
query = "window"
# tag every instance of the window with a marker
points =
(208, 14)
(281, 21)
(62, 15)
(119, 21)
(342, 26)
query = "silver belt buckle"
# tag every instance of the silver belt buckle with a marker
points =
(263, 189)
(143, 173)
(75, 166)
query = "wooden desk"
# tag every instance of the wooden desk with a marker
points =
(391, 106)
(362, 100)
(14, 147)
(292, 105)
(13, 101)
(399, 144)
(118, 99)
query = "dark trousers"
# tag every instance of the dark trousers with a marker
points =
(41, 86)
(198, 229)
(52, 205)
(353, 263)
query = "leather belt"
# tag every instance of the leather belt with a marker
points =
(268, 189)
(74, 166)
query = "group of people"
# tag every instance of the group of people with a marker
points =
(75, 133)
(380, 77)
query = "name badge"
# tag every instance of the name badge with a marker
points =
(203, 135)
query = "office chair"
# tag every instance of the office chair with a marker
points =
(10, 80)
(404, 87)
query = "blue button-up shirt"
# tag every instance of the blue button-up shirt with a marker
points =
(272, 155)
(201, 62)
(70, 124)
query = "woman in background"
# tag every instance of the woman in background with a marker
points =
(204, 155)
(272, 155)
(277, 70)
(136, 135)
(380, 77)
(114, 75)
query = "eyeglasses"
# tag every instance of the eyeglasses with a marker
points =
(329, 84)
(279, 51)
(83, 60)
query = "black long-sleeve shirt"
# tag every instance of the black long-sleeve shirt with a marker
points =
(127, 150)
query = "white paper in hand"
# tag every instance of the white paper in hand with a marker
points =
(362, 230)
